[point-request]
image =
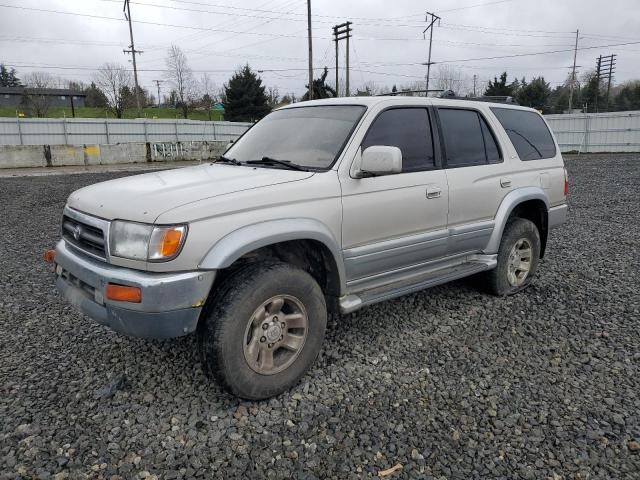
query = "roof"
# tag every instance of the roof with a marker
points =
(40, 91)
(403, 100)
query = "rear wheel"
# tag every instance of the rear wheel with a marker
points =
(263, 329)
(518, 258)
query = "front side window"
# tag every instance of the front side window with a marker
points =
(311, 137)
(409, 129)
(527, 131)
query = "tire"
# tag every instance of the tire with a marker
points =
(234, 345)
(519, 239)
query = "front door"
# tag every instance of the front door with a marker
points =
(393, 222)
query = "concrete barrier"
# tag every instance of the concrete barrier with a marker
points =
(24, 156)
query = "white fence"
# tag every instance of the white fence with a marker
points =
(597, 132)
(591, 132)
(93, 131)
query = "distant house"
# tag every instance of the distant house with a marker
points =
(57, 97)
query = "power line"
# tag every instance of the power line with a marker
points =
(144, 22)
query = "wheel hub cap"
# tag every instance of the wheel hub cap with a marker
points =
(275, 334)
(519, 262)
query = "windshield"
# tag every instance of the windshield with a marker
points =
(311, 137)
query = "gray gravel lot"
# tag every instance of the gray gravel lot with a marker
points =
(449, 383)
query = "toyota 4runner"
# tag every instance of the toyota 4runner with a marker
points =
(322, 206)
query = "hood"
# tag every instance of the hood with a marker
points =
(142, 198)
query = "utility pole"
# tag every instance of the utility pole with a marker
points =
(310, 50)
(431, 21)
(612, 63)
(132, 50)
(598, 73)
(158, 82)
(573, 73)
(475, 78)
(342, 32)
(605, 67)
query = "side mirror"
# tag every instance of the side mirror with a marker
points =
(380, 160)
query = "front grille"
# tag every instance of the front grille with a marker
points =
(85, 237)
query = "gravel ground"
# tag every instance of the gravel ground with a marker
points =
(448, 383)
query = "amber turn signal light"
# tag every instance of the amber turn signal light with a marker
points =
(171, 242)
(49, 255)
(123, 293)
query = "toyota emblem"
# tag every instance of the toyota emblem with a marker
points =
(77, 231)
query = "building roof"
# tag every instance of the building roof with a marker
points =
(40, 91)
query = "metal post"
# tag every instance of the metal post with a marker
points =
(176, 125)
(146, 137)
(347, 91)
(573, 73)
(310, 50)
(64, 129)
(106, 129)
(19, 130)
(335, 34)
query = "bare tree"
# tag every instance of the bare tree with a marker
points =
(273, 96)
(114, 81)
(181, 78)
(450, 77)
(36, 99)
(207, 91)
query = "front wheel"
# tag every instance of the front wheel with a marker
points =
(263, 329)
(518, 258)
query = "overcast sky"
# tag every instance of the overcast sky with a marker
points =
(387, 46)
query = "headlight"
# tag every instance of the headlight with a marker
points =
(139, 241)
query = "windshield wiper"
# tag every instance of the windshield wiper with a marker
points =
(223, 159)
(273, 161)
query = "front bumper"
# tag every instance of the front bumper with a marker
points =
(171, 302)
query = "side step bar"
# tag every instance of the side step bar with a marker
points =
(352, 302)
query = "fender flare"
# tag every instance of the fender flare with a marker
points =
(251, 237)
(509, 202)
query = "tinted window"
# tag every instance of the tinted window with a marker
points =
(491, 147)
(463, 138)
(408, 129)
(528, 133)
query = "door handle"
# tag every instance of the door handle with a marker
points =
(434, 192)
(505, 182)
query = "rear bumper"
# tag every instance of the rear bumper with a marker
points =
(171, 302)
(557, 215)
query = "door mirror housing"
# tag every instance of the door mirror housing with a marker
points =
(380, 160)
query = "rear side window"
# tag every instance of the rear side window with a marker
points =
(529, 134)
(467, 138)
(408, 129)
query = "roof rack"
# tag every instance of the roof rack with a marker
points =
(485, 98)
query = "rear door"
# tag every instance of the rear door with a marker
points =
(475, 168)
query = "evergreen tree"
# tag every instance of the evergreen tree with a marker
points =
(245, 97)
(9, 78)
(320, 88)
(591, 94)
(499, 88)
(534, 94)
(628, 97)
(95, 97)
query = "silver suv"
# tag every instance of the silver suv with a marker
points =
(323, 206)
